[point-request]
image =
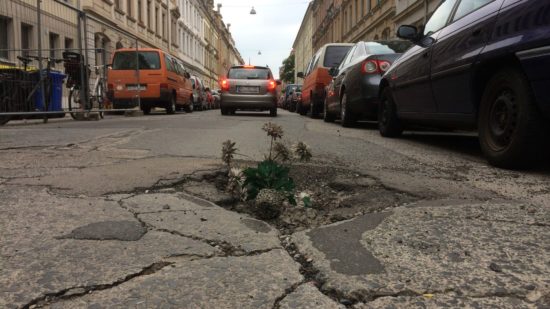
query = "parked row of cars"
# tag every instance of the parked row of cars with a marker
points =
(476, 65)
(162, 81)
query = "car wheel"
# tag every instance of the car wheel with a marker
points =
(190, 107)
(146, 110)
(301, 109)
(327, 116)
(171, 108)
(224, 111)
(346, 118)
(313, 110)
(388, 123)
(512, 132)
(273, 112)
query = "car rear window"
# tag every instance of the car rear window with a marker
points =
(149, 60)
(248, 73)
(387, 47)
(334, 55)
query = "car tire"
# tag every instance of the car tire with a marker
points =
(313, 110)
(171, 108)
(224, 111)
(301, 109)
(327, 116)
(146, 110)
(388, 123)
(190, 107)
(273, 112)
(512, 131)
(346, 118)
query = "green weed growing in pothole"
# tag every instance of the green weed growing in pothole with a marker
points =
(268, 184)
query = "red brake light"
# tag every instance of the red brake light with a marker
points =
(224, 84)
(271, 85)
(374, 66)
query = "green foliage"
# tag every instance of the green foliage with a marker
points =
(269, 175)
(287, 74)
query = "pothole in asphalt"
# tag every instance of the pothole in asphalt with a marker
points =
(108, 230)
(338, 194)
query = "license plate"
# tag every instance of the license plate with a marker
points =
(135, 87)
(249, 89)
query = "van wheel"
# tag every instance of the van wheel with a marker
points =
(171, 108)
(327, 117)
(347, 119)
(512, 132)
(388, 123)
(189, 107)
(146, 110)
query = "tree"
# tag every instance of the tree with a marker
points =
(287, 75)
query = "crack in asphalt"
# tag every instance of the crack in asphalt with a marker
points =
(288, 291)
(74, 292)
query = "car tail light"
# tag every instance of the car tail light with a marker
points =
(164, 86)
(271, 85)
(374, 66)
(224, 84)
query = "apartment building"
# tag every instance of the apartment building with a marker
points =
(189, 29)
(19, 29)
(303, 44)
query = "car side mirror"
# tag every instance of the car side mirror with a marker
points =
(300, 74)
(278, 82)
(333, 71)
(408, 32)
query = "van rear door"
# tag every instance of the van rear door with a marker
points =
(125, 80)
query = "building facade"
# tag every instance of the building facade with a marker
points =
(303, 44)
(188, 29)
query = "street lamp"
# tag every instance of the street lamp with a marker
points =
(253, 11)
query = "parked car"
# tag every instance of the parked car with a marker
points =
(217, 98)
(357, 78)
(199, 93)
(316, 77)
(289, 90)
(163, 81)
(249, 87)
(295, 98)
(477, 64)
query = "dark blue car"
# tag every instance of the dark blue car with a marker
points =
(477, 64)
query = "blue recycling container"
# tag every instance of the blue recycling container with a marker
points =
(56, 94)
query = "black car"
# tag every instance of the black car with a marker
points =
(477, 64)
(356, 81)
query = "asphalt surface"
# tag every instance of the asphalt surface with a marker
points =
(80, 227)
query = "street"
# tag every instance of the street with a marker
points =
(114, 214)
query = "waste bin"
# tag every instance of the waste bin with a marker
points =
(56, 94)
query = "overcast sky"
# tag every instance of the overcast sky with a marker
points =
(272, 30)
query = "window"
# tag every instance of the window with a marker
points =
(129, 9)
(255, 73)
(4, 44)
(439, 17)
(127, 60)
(467, 6)
(118, 5)
(169, 64)
(69, 43)
(149, 17)
(54, 44)
(164, 26)
(346, 58)
(334, 55)
(26, 38)
(140, 10)
(157, 23)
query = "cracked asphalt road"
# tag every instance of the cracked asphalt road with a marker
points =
(477, 237)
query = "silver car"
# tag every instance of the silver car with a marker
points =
(249, 88)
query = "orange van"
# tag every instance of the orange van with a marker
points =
(163, 81)
(316, 77)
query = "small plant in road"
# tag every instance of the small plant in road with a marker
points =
(268, 183)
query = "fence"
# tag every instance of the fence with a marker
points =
(55, 59)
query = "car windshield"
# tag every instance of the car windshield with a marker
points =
(127, 60)
(248, 73)
(387, 47)
(334, 55)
